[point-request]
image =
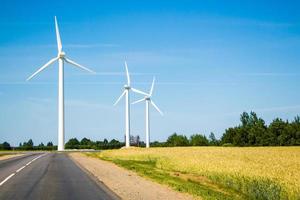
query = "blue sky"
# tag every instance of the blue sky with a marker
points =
(212, 61)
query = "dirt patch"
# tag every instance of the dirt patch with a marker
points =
(126, 184)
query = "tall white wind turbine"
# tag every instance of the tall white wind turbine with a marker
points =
(149, 101)
(61, 58)
(127, 88)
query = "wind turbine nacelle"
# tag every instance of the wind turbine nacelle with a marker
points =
(126, 87)
(62, 54)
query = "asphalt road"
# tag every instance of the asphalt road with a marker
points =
(48, 176)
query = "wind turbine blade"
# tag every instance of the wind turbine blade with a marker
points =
(77, 65)
(127, 74)
(138, 91)
(138, 101)
(120, 98)
(155, 106)
(42, 68)
(59, 46)
(152, 87)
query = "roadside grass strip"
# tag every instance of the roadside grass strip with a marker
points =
(205, 188)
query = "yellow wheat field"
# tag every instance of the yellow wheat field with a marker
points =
(279, 164)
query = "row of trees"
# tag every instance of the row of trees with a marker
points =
(173, 140)
(29, 145)
(252, 131)
(5, 146)
(71, 144)
(181, 140)
(86, 143)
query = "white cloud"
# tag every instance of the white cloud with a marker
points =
(40, 100)
(26, 83)
(88, 104)
(279, 109)
(116, 74)
(268, 110)
(247, 22)
(81, 46)
(270, 74)
(207, 83)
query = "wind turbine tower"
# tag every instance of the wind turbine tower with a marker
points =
(61, 58)
(126, 92)
(149, 102)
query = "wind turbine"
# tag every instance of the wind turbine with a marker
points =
(127, 88)
(148, 101)
(61, 58)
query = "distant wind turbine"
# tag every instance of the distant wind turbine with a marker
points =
(61, 58)
(148, 101)
(127, 88)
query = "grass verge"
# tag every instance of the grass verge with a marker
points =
(197, 186)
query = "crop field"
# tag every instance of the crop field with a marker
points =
(217, 172)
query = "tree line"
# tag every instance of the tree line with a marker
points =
(29, 145)
(176, 140)
(86, 143)
(73, 143)
(252, 131)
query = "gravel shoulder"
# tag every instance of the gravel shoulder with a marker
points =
(126, 184)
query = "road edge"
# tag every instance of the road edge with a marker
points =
(95, 179)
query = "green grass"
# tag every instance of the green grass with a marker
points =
(196, 186)
(253, 188)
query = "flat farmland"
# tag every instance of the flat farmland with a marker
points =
(217, 172)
